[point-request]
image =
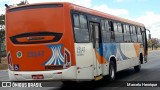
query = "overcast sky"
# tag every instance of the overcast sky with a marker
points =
(144, 11)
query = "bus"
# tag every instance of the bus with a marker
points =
(67, 42)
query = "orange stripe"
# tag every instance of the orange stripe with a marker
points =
(137, 47)
(100, 58)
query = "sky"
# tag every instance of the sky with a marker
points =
(143, 11)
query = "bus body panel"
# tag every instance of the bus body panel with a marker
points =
(84, 60)
(27, 41)
(126, 54)
(63, 59)
(66, 74)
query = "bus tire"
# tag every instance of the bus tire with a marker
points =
(138, 67)
(112, 71)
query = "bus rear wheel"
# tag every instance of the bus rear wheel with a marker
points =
(138, 67)
(112, 71)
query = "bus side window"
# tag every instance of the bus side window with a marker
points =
(106, 34)
(127, 37)
(115, 26)
(118, 32)
(139, 34)
(133, 34)
(135, 37)
(76, 27)
(112, 38)
(76, 20)
(84, 28)
(80, 28)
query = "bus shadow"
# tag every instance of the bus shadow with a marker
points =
(91, 85)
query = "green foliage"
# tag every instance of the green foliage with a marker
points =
(2, 34)
(24, 2)
(2, 19)
(149, 43)
(2, 27)
(154, 43)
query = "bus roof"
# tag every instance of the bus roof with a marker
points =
(87, 10)
(106, 15)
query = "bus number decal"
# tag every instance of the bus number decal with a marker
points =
(80, 51)
(34, 54)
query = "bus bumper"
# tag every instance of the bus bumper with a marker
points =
(65, 74)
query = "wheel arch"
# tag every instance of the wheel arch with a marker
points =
(113, 58)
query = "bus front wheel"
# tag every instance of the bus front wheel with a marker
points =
(138, 67)
(112, 71)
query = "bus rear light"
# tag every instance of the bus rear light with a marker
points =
(67, 67)
(16, 74)
(67, 56)
(67, 59)
(9, 58)
(59, 73)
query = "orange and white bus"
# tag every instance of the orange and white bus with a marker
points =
(67, 42)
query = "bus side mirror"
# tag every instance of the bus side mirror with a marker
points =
(149, 36)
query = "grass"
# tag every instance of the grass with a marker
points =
(4, 64)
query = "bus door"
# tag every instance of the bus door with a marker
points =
(145, 46)
(95, 31)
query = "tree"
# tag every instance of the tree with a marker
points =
(153, 42)
(149, 43)
(24, 2)
(2, 32)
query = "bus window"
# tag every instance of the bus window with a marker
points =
(127, 37)
(118, 32)
(115, 31)
(115, 27)
(112, 38)
(102, 25)
(106, 33)
(76, 20)
(139, 34)
(133, 34)
(80, 28)
(107, 26)
(83, 22)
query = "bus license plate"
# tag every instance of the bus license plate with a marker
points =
(37, 77)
